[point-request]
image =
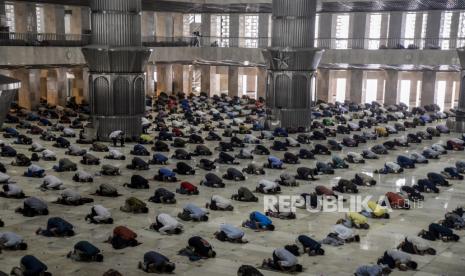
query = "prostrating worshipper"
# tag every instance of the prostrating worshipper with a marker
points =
(158, 159)
(286, 179)
(82, 176)
(33, 206)
(123, 237)
(426, 186)
(372, 270)
(135, 206)
(162, 195)
(212, 180)
(29, 266)
(219, 203)
(115, 154)
(89, 159)
(283, 260)
(99, 215)
(165, 175)
(253, 168)
(155, 262)
(84, 251)
(230, 233)
(416, 245)
(259, 222)
(234, 174)
(397, 201)
(12, 191)
(244, 195)
(187, 188)
(345, 186)
(340, 235)
(438, 232)
(167, 225)
(11, 241)
(268, 187)
(362, 179)
(57, 227)
(75, 150)
(394, 258)
(193, 212)
(51, 182)
(73, 198)
(65, 165)
(354, 219)
(390, 167)
(198, 248)
(137, 182)
(110, 170)
(309, 245)
(107, 190)
(274, 163)
(375, 210)
(184, 169)
(34, 171)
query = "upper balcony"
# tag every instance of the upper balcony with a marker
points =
(79, 40)
(431, 53)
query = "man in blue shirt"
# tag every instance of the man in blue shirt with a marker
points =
(259, 222)
(155, 262)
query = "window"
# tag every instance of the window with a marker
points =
(371, 90)
(410, 29)
(251, 31)
(40, 19)
(342, 31)
(405, 91)
(374, 33)
(317, 28)
(222, 30)
(461, 34)
(341, 89)
(68, 15)
(424, 23)
(188, 20)
(446, 21)
(10, 16)
(440, 95)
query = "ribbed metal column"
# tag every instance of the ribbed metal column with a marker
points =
(116, 62)
(459, 123)
(292, 62)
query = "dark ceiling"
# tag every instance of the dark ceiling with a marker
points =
(326, 7)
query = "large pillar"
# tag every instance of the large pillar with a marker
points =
(29, 93)
(391, 91)
(233, 81)
(178, 84)
(160, 24)
(396, 28)
(117, 95)
(234, 30)
(428, 89)
(263, 30)
(433, 29)
(292, 61)
(214, 81)
(356, 90)
(358, 31)
(205, 79)
(322, 82)
(454, 30)
(261, 82)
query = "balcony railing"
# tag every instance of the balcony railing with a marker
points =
(206, 41)
(76, 40)
(43, 39)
